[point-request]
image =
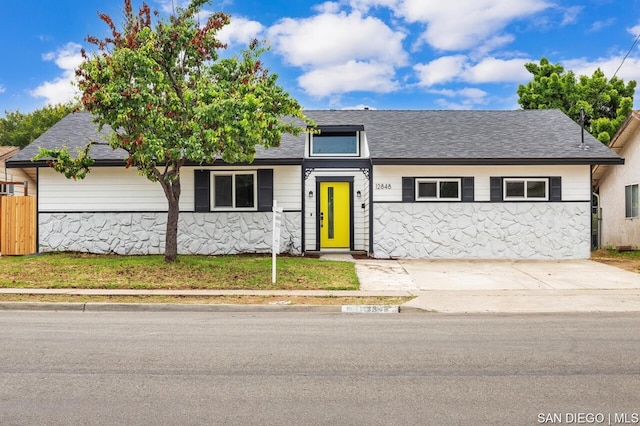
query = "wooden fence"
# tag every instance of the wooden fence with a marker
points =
(17, 225)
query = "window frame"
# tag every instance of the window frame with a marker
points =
(233, 174)
(438, 182)
(326, 133)
(525, 181)
(629, 207)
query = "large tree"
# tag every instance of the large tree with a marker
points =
(606, 102)
(173, 100)
(20, 129)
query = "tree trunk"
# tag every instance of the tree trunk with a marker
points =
(171, 242)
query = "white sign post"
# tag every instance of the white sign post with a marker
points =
(275, 247)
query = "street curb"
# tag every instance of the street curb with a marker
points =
(176, 307)
(161, 307)
(41, 306)
(413, 310)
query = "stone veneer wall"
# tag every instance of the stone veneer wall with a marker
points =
(144, 233)
(482, 230)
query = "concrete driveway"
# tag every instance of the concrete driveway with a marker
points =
(505, 286)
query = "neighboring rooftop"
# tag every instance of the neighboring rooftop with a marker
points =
(8, 152)
(623, 136)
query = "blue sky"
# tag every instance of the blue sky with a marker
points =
(381, 54)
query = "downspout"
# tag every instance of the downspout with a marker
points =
(370, 205)
(37, 209)
(304, 210)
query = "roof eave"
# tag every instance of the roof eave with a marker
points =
(497, 161)
(121, 163)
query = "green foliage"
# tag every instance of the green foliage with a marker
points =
(173, 100)
(72, 167)
(19, 129)
(607, 102)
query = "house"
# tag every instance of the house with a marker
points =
(17, 206)
(617, 189)
(24, 178)
(392, 184)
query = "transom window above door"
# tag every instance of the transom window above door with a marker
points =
(335, 141)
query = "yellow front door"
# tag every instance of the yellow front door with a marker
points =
(335, 215)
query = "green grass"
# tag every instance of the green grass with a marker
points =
(73, 270)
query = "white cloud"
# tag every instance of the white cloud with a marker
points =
(340, 52)
(333, 39)
(493, 70)
(474, 94)
(600, 25)
(466, 98)
(60, 89)
(2, 88)
(441, 70)
(349, 77)
(471, 93)
(491, 44)
(366, 5)
(240, 31)
(460, 68)
(327, 7)
(634, 31)
(570, 15)
(464, 24)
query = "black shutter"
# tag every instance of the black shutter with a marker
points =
(496, 189)
(202, 184)
(467, 189)
(265, 190)
(408, 190)
(555, 188)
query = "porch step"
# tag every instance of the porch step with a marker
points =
(347, 256)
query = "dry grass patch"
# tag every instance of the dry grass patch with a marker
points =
(227, 299)
(628, 260)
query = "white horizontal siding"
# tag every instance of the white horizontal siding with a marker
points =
(104, 189)
(387, 180)
(287, 190)
(114, 189)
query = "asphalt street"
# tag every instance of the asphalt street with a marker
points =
(190, 368)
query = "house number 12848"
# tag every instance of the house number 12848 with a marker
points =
(383, 186)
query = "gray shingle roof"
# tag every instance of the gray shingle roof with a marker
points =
(74, 131)
(468, 136)
(402, 136)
